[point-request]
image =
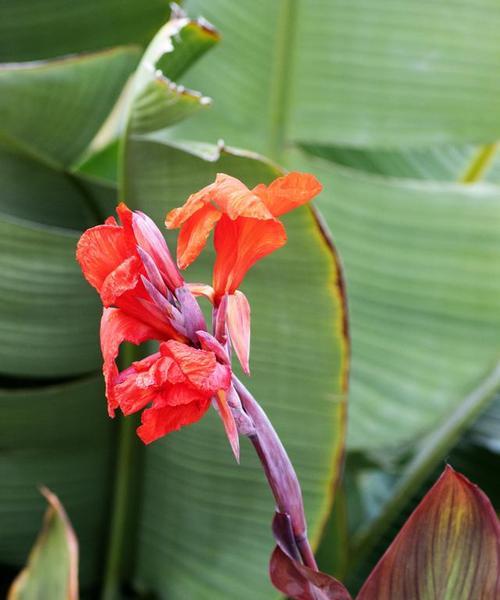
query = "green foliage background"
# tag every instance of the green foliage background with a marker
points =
(394, 106)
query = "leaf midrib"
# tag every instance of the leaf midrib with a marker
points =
(280, 93)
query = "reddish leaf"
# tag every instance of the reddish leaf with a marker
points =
(449, 548)
(292, 577)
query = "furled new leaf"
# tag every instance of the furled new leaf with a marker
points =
(52, 568)
(448, 549)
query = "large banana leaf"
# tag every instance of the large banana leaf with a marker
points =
(421, 259)
(55, 435)
(194, 496)
(359, 73)
(37, 29)
(52, 109)
(412, 262)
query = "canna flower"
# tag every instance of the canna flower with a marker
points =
(178, 383)
(247, 229)
(145, 298)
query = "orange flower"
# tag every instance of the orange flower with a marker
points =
(246, 230)
(246, 227)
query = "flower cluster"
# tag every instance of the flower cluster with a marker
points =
(146, 298)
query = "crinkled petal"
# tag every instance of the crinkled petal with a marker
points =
(157, 422)
(117, 327)
(194, 234)
(238, 326)
(199, 366)
(145, 381)
(123, 279)
(288, 192)
(239, 245)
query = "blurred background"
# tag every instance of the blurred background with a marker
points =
(395, 107)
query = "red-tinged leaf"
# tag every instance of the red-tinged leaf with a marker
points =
(291, 576)
(299, 582)
(52, 568)
(448, 549)
(229, 423)
(238, 326)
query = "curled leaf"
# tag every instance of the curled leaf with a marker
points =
(449, 548)
(52, 568)
(292, 577)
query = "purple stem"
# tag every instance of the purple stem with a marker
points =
(279, 472)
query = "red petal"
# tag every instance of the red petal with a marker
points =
(238, 326)
(124, 278)
(199, 366)
(239, 245)
(157, 422)
(194, 234)
(117, 327)
(145, 381)
(229, 424)
(286, 193)
(100, 251)
(448, 548)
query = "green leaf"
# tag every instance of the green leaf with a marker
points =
(422, 264)
(360, 73)
(455, 520)
(397, 492)
(49, 318)
(201, 513)
(439, 163)
(158, 102)
(53, 109)
(52, 569)
(58, 436)
(38, 29)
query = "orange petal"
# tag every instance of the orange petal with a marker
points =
(236, 200)
(238, 325)
(229, 424)
(194, 234)
(195, 202)
(201, 289)
(239, 245)
(286, 193)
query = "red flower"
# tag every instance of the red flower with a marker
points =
(145, 298)
(130, 266)
(246, 230)
(178, 382)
